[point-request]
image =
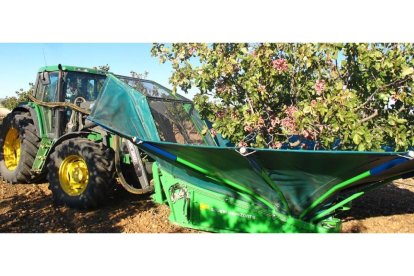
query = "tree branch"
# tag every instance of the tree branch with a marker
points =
(373, 115)
(250, 104)
(379, 89)
(369, 98)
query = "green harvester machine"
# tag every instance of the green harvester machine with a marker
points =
(107, 130)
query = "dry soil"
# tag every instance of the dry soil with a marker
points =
(28, 208)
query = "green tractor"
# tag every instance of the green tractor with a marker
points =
(50, 138)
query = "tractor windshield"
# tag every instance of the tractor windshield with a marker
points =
(85, 85)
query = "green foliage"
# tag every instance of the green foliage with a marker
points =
(360, 94)
(21, 96)
(104, 68)
(139, 75)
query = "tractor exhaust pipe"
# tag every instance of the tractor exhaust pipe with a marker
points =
(60, 98)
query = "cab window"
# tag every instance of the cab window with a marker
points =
(47, 90)
(82, 85)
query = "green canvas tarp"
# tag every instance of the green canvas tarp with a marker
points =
(120, 107)
(301, 176)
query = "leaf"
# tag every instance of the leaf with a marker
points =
(360, 131)
(361, 147)
(401, 121)
(244, 50)
(339, 85)
(357, 139)
(307, 109)
(383, 97)
(204, 131)
(407, 71)
(341, 117)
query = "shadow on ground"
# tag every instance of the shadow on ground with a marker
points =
(29, 209)
(389, 200)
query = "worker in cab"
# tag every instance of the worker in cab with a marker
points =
(72, 91)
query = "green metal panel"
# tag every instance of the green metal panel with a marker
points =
(71, 68)
(126, 158)
(45, 116)
(42, 153)
(158, 195)
(39, 119)
(205, 207)
(226, 181)
(95, 136)
(45, 143)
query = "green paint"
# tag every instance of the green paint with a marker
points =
(334, 189)
(54, 68)
(226, 181)
(212, 207)
(93, 136)
(45, 143)
(42, 153)
(42, 133)
(252, 194)
(331, 225)
(193, 166)
(336, 206)
(126, 158)
(267, 179)
(158, 193)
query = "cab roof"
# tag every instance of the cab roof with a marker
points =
(52, 68)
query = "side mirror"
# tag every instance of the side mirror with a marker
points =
(44, 78)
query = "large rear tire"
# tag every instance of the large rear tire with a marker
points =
(81, 173)
(19, 143)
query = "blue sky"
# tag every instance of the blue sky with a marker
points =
(19, 62)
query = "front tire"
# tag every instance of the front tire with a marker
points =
(19, 143)
(81, 173)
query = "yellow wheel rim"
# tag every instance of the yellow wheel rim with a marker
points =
(73, 175)
(11, 149)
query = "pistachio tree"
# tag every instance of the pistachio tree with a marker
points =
(344, 96)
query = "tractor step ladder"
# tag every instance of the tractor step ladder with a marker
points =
(41, 155)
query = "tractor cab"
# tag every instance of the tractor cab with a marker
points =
(60, 88)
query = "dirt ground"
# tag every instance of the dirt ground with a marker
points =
(28, 208)
(389, 209)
